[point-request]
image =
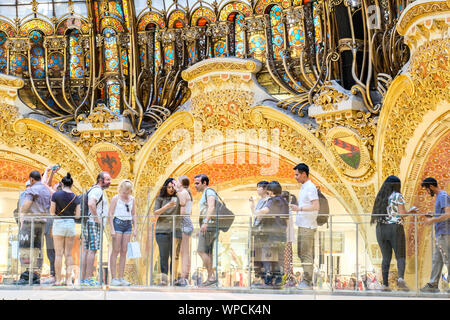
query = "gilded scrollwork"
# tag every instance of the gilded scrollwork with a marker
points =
(428, 71)
(328, 97)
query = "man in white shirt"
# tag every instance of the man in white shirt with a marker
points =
(98, 207)
(306, 221)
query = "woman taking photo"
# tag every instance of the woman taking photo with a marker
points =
(167, 206)
(387, 212)
(185, 198)
(65, 205)
(122, 218)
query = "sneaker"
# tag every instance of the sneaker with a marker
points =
(401, 284)
(92, 283)
(208, 283)
(115, 282)
(50, 280)
(22, 282)
(182, 282)
(124, 282)
(84, 283)
(304, 285)
(430, 288)
(385, 288)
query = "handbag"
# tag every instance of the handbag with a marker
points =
(134, 250)
(66, 206)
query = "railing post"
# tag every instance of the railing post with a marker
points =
(249, 242)
(18, 249)
(331, 253)
(100, 274)
(151, 253)
(357, 256)
(415, 253)
(147, 243)
(30, 267)
(173, 260)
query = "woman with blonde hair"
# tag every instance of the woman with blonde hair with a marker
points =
(122, 218)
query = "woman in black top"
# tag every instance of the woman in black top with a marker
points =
(65, 206)
(273, 229)
(167, 205)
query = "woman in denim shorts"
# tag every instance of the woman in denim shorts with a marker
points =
(122, 217)
(65, 206)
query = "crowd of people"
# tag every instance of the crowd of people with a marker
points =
(276, 214)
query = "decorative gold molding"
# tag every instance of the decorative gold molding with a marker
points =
(418, 10)
(215, 65)
(426, 86)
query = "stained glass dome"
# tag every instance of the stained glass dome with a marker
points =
(12, 9)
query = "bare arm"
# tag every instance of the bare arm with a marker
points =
(182, 196)
(78, 211)
(92, 204)
(315, 206)
(24, 209)
(133, 215)
(211, 207)
(52, 208)
(443, 217)
(163, 209)
(264, 210)
(112, 208)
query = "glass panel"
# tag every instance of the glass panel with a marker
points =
(24, 10)
(61, 9)
(46, 9)
(9, 12)
(140, 5)
(156, 4)
(80, 8)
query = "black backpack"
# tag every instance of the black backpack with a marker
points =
(224, 215)
(84, 201)
(324, 210)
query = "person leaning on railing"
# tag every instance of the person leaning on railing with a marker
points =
(388, 209)
(441, 220)
(36, 203)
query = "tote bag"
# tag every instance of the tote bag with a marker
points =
(134, 250)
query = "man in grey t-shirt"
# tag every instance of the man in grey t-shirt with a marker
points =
(36, 205)
(441, 220)
(206, 238)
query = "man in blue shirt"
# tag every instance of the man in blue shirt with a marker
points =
(441, 220)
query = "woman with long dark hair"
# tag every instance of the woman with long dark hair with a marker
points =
(167, 205)
(65, 206)
(387, 212)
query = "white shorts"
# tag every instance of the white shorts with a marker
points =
(64, 227)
